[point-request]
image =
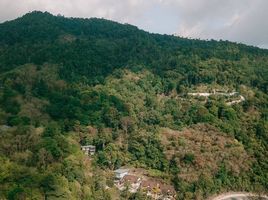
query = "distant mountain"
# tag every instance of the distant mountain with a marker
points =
(67, 82)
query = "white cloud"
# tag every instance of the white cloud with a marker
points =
(235, 20)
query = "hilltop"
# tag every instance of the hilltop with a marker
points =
(67, 82)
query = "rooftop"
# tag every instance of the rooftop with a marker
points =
(120, 170)
(88, 146)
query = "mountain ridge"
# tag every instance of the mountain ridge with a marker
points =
(36, 15)
(68, 82)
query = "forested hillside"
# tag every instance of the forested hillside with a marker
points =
(67, 82)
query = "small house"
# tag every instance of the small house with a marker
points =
(88, 149)
(120, 173)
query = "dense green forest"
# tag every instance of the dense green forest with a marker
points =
(66, 82)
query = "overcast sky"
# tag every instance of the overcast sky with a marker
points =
(243, 21)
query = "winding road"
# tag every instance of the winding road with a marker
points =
(236, 101)
(206, 94)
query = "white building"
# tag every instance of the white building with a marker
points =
(88, 149)
(120, 173)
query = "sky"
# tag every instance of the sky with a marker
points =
(244, 21)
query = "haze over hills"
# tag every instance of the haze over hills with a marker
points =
(67, 82)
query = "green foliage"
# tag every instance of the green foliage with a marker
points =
(148, 151)
(110, 157)
(189, 158)
(94, 81)
(40, 88)
(15, 193)
(8, 101)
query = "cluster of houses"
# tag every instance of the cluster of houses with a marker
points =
(134, 183)
(152, 187)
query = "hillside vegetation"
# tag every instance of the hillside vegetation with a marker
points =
(67, 82)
